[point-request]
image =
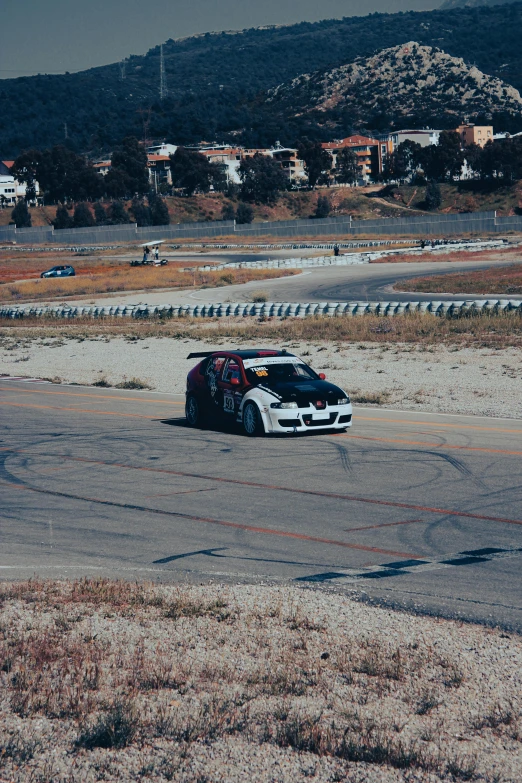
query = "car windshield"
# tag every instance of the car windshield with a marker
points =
(283, 372)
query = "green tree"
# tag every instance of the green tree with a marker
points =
(83, 217)
(60, 173)
(262, 179)
(118, 214)
(191, 171)
(21, 215)
(141, 212)
(129, 174)
(159, 211)
(62, 219)
(443, 161)
(433, 198)
(347, 167)
(317, 161)
(100, 214)
(403, 161)
(244, 213)
(228, 212)
(323, 207)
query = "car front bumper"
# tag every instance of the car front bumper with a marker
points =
(335, 417)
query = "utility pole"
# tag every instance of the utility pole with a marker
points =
(65, 131)
(163, 76)
(122, 68)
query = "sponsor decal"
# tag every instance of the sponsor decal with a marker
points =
(266, 360)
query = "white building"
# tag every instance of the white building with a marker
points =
(10, 189)
(423, 137)
(162, 149)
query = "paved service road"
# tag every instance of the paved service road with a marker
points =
(421, 510)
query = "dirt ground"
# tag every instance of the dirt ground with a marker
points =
(124, 681)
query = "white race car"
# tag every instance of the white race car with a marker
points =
(265, 391)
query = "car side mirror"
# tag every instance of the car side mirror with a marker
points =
(235, 381)
(322, 376)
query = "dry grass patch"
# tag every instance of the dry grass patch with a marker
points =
(504, 281)
(123, 278)
(105, 679)
(481, 331)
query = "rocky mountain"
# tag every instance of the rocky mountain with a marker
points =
(401, 82)
(217, 82)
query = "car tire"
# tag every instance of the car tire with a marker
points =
(252, 421)
(193, 412)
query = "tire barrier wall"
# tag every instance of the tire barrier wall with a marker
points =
(420, 225)
(273, 309)
(349, 259)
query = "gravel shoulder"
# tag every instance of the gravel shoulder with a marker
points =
(123, 681)
(433, 378)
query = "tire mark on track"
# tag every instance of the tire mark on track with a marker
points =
(258, 485)
(212, 521)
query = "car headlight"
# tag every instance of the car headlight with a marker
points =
(283, 405)
(343, 401)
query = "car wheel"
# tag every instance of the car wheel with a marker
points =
(252, 422)
(193, 411)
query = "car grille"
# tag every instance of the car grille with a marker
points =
(346, 418)
(320, 422)
(319, 405)
(289, 422)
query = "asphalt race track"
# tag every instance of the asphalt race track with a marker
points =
(370, 282)
(409, 508)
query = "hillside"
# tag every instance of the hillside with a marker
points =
(473, 3)
(214, 80)
(404, 83)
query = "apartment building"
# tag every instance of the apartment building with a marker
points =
(289, 161)
(371, 154)
(475, 134)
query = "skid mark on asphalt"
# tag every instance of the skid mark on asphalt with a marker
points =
(414, 566)
(431, 445)
(258, 485)
(209, 520)
(384, 524)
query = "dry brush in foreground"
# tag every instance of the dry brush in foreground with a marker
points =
(105, 680)
(480, 331)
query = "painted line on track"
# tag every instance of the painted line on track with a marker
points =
(406, 422)
(258, 485)
(93, 396)
(209, 520)
(441, 446)
(77, 410)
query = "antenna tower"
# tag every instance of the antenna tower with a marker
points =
(122, 68)
(65, 131)
(163, 76)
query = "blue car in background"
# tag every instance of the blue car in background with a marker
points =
(59, 271)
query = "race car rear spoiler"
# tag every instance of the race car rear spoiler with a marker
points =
(200, 354)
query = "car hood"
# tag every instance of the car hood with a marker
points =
(303, 391)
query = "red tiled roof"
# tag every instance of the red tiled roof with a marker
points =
(349, 141)
(8, 163)
(155, 158)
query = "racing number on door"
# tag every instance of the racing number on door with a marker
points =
(228, 402)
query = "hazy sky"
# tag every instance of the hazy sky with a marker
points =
(45, 36)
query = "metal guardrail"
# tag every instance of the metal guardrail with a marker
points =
(449, 309)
